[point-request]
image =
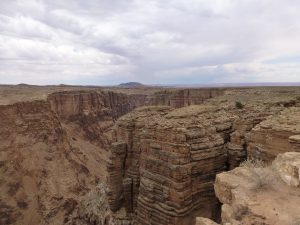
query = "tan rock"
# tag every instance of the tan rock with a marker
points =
(266, 142)
(288, 167)
(204, 221)
(260, 195)
(172, 174)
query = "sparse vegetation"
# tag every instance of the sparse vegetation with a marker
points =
(239, 105)
(262, 172)
(253, 163)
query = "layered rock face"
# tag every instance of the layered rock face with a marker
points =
(41, 175)
(164, 163)
(89, 115)
(70, 104)
(159, 162)
(183, 97)
(53, 152)
(277, 134)
(248, 118)
(153, 144)
(262, 195)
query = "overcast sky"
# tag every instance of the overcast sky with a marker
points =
(103, 42)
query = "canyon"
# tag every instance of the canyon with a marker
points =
(145, 155)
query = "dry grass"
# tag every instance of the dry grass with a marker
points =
(263, 172)
(253, 163)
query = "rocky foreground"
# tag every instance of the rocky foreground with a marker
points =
(99, 156)
(258, 193)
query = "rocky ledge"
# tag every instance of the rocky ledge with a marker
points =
(259, 193)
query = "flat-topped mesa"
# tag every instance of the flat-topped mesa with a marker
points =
(277, 134)
(172, 156)
(183, 97)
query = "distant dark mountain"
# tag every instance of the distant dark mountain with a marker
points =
(131, 85)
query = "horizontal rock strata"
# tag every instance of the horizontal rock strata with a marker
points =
(183, 97)
(41, 177)
(277, 134)
(70, 104)
(170, 162)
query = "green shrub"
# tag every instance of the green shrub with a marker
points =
(239, 105)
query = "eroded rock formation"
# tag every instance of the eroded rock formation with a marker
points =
(277, 134)
(262, 195)
(71, 104)
(53, 151)
(41, 176)
(183, 97)
(164, 163)
(160, 168)
(168, 158)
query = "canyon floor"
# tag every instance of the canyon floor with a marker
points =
(149, 155)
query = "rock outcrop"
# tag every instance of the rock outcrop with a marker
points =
(277, 134)
(164, 163)
(262, 195)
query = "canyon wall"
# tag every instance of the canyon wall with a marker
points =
(54, 152)
(41, 175)
(164, 163)
(70, 104)
(159, 162)
(183, 97)
(248, 118)
(277, 134)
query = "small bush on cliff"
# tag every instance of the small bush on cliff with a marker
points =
(262, 172)
(253, 163)
(239, 105)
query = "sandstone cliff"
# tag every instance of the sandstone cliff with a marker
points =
(277, 134)
(53, 152)
(164, 160)
(159, 162)
(183, 97)
(41, 176)
(164, 163)
(70, 104)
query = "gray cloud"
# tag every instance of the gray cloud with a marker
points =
(179, 41)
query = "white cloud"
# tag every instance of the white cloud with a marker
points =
(151, 41)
